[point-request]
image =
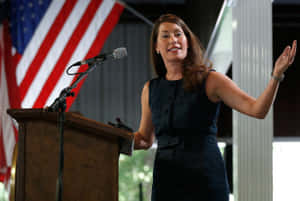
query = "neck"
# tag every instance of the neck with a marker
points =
(174, 71)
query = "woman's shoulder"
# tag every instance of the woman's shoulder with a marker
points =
(150, 82)
(217, 79)
(214, 76)
(155, 79)
(153, 82)
(213, 80)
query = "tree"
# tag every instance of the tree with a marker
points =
(135, 170)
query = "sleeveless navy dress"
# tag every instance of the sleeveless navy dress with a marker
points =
(188, 164)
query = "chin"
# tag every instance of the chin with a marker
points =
(178, 59)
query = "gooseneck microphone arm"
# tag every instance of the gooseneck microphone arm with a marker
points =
(56, 105)
(118, 53)
(59, 105)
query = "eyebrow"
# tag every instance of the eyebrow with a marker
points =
(174, 30)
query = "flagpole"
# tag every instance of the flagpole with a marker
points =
(136, 13)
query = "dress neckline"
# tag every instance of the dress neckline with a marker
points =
(173, 80)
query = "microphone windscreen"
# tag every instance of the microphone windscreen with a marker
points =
(119, 53)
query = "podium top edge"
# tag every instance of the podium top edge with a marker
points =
(72, 120)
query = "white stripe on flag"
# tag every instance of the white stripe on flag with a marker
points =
(84, 46)
(54, 54)
(38, 38)
(7, 128)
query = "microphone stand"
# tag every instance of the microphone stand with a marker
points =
(59, 105)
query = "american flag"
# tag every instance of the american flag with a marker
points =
(41, 39)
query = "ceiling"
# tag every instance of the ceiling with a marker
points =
(184, 1)
(155, 1)
(286, 2)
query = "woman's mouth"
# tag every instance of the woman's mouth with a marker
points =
(173, 49)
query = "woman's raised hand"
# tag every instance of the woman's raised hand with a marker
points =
(285, 60)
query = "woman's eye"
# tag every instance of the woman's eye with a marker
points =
(178, 34)
(165, 36)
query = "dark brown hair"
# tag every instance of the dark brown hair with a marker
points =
(194, 68)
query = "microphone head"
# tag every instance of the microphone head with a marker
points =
(119, 53)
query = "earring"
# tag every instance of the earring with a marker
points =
(157, 52)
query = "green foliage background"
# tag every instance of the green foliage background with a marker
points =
(133, 171)
(3, 193)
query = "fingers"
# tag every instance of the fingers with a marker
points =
(289, 53)
(292, 53)
(285, 54)
(286, 58)
(294, 47)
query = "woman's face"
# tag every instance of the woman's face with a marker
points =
(171, 42)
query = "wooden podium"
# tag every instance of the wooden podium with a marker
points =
(91, 154)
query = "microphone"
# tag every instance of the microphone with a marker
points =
(118, 53)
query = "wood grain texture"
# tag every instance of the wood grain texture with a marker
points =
(91, 153)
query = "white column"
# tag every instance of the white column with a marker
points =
(252, 65)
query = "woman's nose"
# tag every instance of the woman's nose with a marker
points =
(173, 38)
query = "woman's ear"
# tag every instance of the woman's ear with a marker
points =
(156, 49)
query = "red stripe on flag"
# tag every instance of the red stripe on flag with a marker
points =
(10, 69)
(97, 45)
(10, 62)
(59, 68)
(45, 47)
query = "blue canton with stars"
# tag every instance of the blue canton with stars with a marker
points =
(25, 17)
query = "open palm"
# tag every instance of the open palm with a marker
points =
(285, 59)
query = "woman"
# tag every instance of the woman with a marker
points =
(181, 107)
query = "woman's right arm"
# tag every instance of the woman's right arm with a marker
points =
(144, 137)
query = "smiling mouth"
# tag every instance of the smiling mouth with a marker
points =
(173, 49)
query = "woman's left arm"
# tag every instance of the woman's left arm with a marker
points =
(224, 89)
